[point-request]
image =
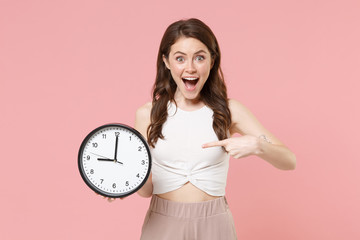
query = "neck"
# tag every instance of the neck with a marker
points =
(187, 104)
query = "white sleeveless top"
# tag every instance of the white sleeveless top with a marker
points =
(179, 157)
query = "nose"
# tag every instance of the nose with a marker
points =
(190, 67)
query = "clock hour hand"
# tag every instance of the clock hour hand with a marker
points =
(106, 159)
(109, 160)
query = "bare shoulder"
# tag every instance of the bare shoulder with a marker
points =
(144, 111)
(142, 118)
(245, 122)
(238, 110)
(235, 105)
(239, 114)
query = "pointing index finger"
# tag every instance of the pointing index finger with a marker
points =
(214, 144)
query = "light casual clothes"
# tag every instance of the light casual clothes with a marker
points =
(169, 220)
(179, 157)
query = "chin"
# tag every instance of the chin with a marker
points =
(197, 97)
(191, 96)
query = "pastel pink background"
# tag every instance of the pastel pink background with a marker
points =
(67, 67)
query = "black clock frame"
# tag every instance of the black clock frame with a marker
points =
(82, 171)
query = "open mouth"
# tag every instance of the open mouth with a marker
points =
(190, 82)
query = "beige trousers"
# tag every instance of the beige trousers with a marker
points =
(169, 220)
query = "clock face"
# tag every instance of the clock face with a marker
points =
(114, 160)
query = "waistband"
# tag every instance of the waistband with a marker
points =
(188, 210)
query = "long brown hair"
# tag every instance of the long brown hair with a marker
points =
(213, 94)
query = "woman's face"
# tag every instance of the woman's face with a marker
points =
(189, 62)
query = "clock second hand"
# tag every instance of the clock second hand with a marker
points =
(101, 156)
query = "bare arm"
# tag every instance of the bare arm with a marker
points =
(246, 124)
(142, 121)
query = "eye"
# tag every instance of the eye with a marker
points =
(179, 59)
(199, 58)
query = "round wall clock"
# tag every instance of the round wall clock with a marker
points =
(114, 160)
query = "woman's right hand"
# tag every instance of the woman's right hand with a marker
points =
(110, 199)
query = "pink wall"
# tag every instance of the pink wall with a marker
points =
(69, 66)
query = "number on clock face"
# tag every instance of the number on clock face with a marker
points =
(114, 160)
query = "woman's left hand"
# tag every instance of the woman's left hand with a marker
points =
(238, 147)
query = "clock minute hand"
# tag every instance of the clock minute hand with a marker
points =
(116, 147)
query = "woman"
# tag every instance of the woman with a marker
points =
(189, 125)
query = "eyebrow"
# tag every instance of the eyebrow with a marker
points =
(200, 51)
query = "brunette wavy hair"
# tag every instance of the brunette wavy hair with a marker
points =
(213, 94)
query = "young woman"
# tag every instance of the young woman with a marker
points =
(189, 126)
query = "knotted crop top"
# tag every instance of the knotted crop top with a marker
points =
(179, 157)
